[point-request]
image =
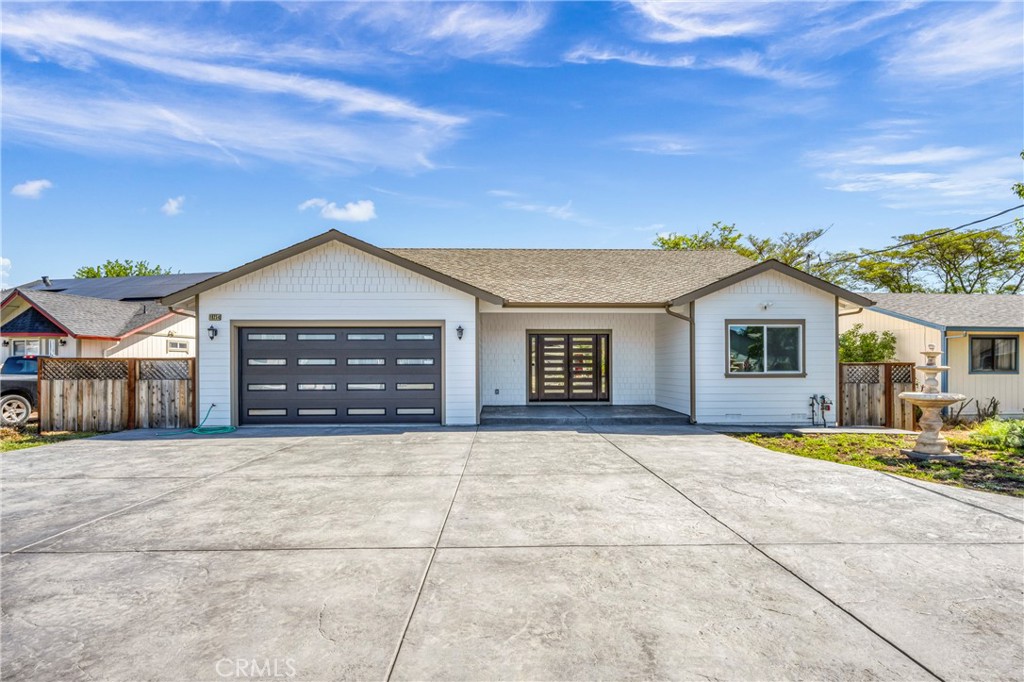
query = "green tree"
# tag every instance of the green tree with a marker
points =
(982, 262)
(858, 346)
(791, 248)
(720, 236)
(119, 268)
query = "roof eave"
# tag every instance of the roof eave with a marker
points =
(556, 304)
(776, 266)
(39, 308)
(319, 240)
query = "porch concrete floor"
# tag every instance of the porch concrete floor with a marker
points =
(541, 414)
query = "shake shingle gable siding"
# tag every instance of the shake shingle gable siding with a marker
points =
(31, 322)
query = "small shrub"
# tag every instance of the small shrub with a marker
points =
(1007, 434)
(990, 411)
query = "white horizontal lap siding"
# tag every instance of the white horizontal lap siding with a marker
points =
(152, 341)
(672, 361)
(761, 400)
(336, 283)
(504, 361)
(1007, 388)
(911, 337)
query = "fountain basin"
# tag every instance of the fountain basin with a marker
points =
(931, 444)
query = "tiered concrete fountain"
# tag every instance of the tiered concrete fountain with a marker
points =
(931, 445)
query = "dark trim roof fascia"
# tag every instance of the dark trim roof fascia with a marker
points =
(149, 324)
(319, 240)
(21, 294)
(777, 266)
(514, 304)
(1018, 330)
(908, 318)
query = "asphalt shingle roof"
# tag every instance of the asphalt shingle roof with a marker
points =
(957, 310)
(121, 288)
(581, 276)
(86, 316)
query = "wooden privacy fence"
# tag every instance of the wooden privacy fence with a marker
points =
(869, 394)
(113, 394)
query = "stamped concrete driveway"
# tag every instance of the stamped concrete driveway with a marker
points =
(449, 554)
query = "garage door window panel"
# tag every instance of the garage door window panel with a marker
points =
(361, 386)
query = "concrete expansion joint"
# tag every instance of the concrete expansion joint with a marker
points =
(778, 563)
(955, 499)
(430, 561)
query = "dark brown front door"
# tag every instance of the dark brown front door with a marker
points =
(569, 366)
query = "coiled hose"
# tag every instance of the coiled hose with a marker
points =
(203, 430)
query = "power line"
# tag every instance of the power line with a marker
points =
(926, 237)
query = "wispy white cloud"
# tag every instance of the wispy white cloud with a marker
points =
(288, 117)
(5, 273)
(84, 40)
(467, 30)
(747, 63)
(173, 206)
(589, 54)
(684, 22)
(212, 129)
(754, 65)
(558, 212)
(502, 193)
(31, 189)
(928, 177)
(659, 143)
(873, 155)
(352, 212)
(969, 41)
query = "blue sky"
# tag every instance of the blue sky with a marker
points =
(200, 136)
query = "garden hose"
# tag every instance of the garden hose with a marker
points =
(203, 430)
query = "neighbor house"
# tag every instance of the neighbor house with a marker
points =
(107, 317)
(336, 330)
(979, 335)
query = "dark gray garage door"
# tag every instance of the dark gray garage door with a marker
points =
(337, 375)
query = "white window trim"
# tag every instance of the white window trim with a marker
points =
(773, 374)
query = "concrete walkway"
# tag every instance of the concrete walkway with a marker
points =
(465, 554)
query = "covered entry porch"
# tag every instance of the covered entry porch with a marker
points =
(580, 415)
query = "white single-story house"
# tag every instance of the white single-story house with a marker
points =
(979, 335)
(334, 330)
(107, 317)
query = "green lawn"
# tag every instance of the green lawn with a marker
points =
(985, 466)
(11, 439)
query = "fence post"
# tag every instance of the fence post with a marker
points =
(133, 372)
(887, 387)
(193, 389)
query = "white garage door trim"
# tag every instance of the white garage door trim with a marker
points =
(235, 352)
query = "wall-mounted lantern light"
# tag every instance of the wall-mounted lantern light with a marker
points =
(459, 331)
(212, 331)
(6, 343)
(63, 342)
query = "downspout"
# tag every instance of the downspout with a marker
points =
(945, 356)
(178, 311)
(668, 309)
(858, 311)
(693, 363)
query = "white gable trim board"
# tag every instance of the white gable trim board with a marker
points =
(652, 358)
